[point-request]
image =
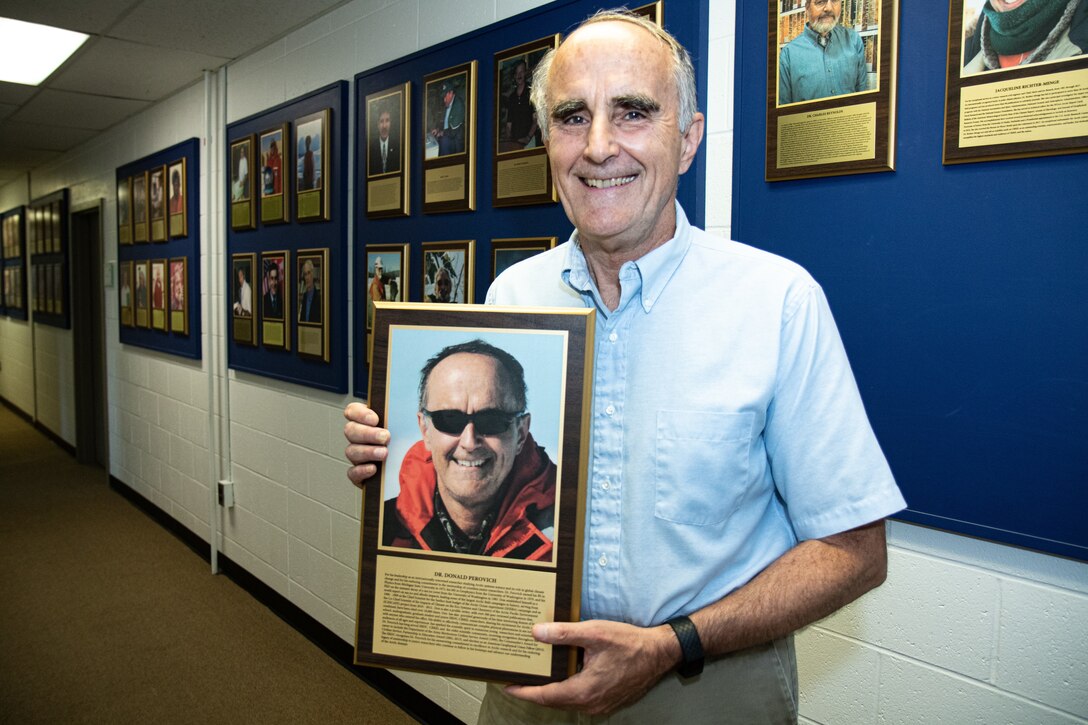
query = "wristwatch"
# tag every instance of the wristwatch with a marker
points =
(690, 646)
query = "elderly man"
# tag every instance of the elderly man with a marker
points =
(736, 491)
(384, 153)
(825, 60)
(476, 483)
(449, 126)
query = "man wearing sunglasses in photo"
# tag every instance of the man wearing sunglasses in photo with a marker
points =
(476, 483)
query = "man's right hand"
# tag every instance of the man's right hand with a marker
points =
(366, 442)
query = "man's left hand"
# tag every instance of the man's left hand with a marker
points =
(622, 662)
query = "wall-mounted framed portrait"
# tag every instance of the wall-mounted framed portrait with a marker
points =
(179, 295)
(143, 297)
(275, 288)
(507, 252)
(520, 163)
(125, 296)
(158, 295)
(312, 149)
(176, 181)
(449, 271)
(156, 201)
(243, 208)
(140, 225)
(654, 12)
(124, 210)
(386, 265)
(449, 139)
(388, 147)
(313, 303)
(274, 206)
(244, 322)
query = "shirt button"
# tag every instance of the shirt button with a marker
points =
(610, 410)
(613, 337)
(603, 561)
(606, 485)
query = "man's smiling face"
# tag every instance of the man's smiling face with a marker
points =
(471, 467)
(614, 139)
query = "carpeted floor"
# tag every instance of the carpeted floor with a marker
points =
(105, 617)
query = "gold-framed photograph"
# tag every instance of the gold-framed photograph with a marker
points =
(654, 12)
(125, 296)
(385, 280)
(124, 210)
(156, 200)
(1014, 87)
(507, 252)
(525, 565)
(851, 102)
(158, 295)
(275, 288)
(520, 164)
(449, 139)
(143, 297)
(179, 295)
(140, 224)
(313, 303)
(313, 144)
(243, 207)
(244, 322)
(449, 272)
(177, 179)
(275, 208)
(388, 146)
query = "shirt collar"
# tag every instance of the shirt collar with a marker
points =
(655, 268)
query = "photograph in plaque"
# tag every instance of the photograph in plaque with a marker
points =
(458, 562)
(507, 252)
(831, 118)
(179, 295)
(385, 267)
(175, 199)
(1016, 80)
(156, 202)
(143, 310)
(449, 139)
(313, 303)
(124, 210)
(243, 207)
(140, 226)
(275, 287)
(387, 147)
(312, 149)
(244, 323)
(158, 294)
(125, 296)
(449, 271)
(654, 12)
(274, 206)
(521, 172)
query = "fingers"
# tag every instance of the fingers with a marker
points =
(366, 442)
(359, 413)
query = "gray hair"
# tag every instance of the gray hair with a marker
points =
(682, 70)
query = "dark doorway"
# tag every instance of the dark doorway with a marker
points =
(88, 336)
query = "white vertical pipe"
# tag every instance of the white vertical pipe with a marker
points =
(209, 202)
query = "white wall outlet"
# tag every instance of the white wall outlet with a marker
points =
(226, 494)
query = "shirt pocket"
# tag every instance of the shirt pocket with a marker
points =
(701, 466)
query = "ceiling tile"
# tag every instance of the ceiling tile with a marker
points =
(77, 110)
(6, 109)
(122, 69)
(23, 159)
(86, 16)
(39, 137)
(16, 92)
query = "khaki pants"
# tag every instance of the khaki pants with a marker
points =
(751, 687)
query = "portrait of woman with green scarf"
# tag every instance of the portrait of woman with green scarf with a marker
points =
(1013, 33)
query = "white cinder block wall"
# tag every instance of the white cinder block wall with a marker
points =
(963, 631)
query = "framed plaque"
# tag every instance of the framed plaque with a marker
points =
(654, 12)
(313, 303)
(520, 164)
(140, 227)
(158, 295)
(244, 323)
(124, 210)
(176, 183)
(835, 120)
(156, 200)
(275, 286)
(125, 297)
(274, 206)
(143, 310)
(1014, 89)
(449, 271)
(508, 252)
(449, 139)
(179, 295)
(387, 145)
(243, 207)
(312, 149)
(445, 585)
(385, 268)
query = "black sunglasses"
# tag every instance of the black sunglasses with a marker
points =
(490, 422)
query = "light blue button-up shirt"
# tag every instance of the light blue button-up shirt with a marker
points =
(808, 70)
(726, 424)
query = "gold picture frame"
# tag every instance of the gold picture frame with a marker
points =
(449, 272)
(449, 139)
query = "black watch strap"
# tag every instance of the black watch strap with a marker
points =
(690, 646)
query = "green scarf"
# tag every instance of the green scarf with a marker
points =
(1022, 29)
